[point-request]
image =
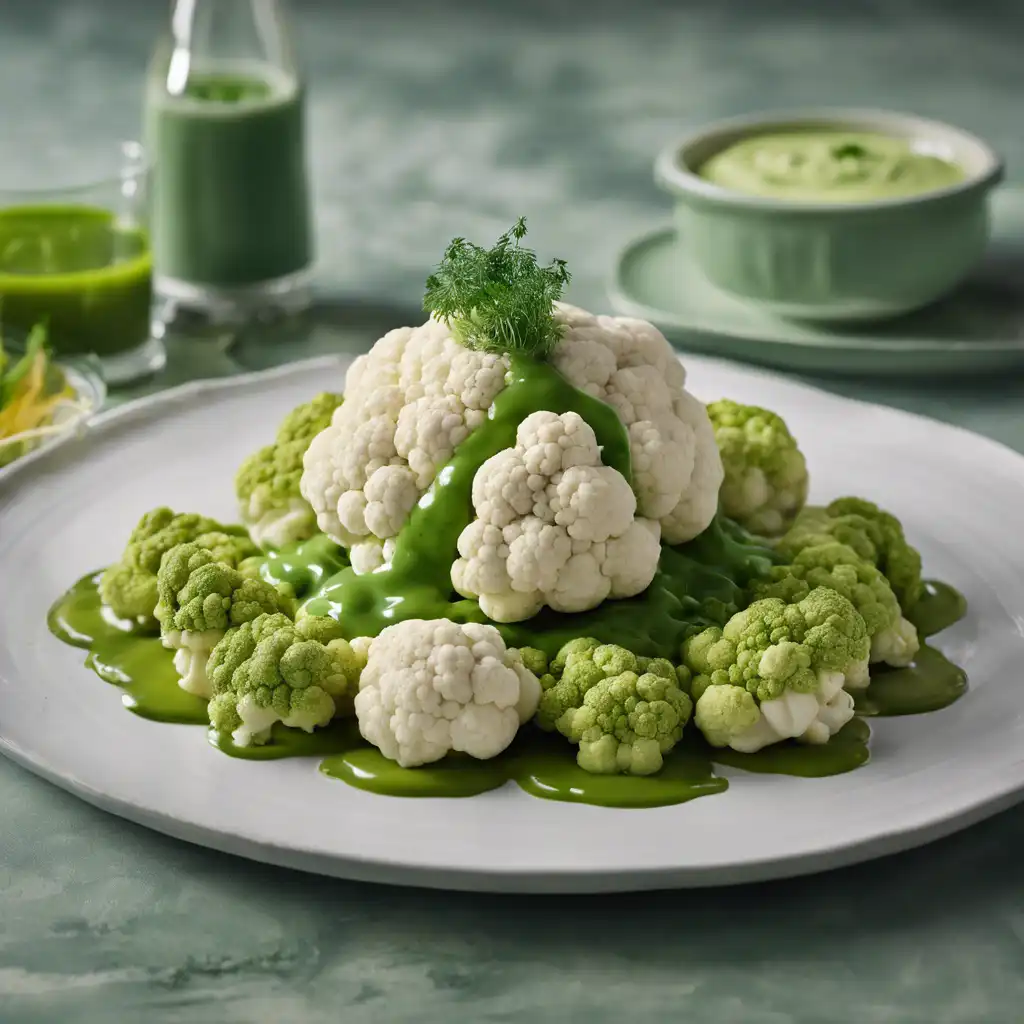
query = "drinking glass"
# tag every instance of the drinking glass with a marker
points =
(77, 258)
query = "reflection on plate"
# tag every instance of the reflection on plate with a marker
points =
(980, 328)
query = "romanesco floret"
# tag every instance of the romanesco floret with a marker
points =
(198, 600)
(271, 669)
(874, 534)
(765, 482)
(267, 483)
(625, 712)
(128, 587)
(893, 638)
(777, 671)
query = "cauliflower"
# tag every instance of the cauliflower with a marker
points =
(431, 686)
(199, 599)
(627, 363)
(418, 394)
(409, 402)
(624, 712)
(128, 587)
(267, 482)
(270, 669)
(875, 535)
(554, 526)
(765, 472)
(894, 639)
(778, 670)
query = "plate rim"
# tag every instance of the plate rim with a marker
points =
(582, 879)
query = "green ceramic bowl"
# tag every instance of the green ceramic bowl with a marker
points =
(833, 261)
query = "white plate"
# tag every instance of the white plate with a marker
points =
(69, 511)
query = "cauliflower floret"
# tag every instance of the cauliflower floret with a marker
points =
(409, 402)
(267, 482)
(777, 671)
(270, 669)
(434, 686)
(875, 535)
(389, 496)
(554, 527)
(893, 638)
(199, 599)
(624, 712)
(628, 363)
(128, 587)
(765, 472)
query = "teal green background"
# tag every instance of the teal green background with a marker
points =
(427, 121)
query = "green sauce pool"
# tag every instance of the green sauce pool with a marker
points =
(124, 655)
(542, 765)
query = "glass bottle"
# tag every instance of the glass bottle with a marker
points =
(225, 129)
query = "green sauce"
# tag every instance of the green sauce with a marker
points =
(542, 765)
(417, 584)
(80, 269)
(696, 585)
(304, 567)
(939, 608)
(124, 655)
(830, 167)
(930, 684)
(847, 750)
(338, 735)
(551, 772)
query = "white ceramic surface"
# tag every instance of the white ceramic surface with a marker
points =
(68, 511)
(977, 329)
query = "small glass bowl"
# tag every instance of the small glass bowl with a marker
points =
(85, 377)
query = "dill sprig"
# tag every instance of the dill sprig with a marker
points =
(498, 299)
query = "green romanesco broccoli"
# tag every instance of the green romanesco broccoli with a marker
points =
(766, 481)
(128, 587)
(777, 671)
(625, 712)
(893, 638)
(875, 535)
(271, 669)
(198, 600)
(267, 482)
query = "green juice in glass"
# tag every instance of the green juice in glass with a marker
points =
(80, 269)
(230, 206)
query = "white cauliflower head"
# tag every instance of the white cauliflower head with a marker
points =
(409, 402)
(554, 526)
(434, 686)
(677, 470)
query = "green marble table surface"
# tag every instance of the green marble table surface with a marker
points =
(454, 117)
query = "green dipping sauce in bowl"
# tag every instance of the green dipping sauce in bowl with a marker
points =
(79, 269)
(832, 215)
(830, 167)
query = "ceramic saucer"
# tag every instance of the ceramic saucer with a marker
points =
(978, 328)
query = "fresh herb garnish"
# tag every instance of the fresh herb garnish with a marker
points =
(498, 299)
